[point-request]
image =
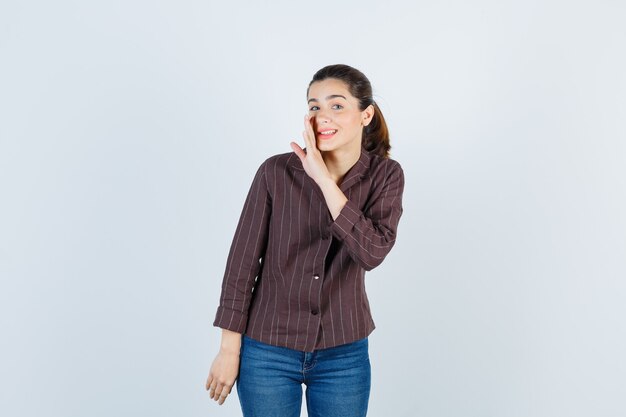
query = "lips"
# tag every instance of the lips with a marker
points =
(327, 134)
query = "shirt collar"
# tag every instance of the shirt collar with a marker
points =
(355, 173)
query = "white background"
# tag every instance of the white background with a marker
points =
(129, 135)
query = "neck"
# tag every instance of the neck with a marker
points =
(340, 161)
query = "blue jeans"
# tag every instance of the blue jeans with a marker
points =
(270, 380)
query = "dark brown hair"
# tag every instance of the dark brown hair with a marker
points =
(375, 135)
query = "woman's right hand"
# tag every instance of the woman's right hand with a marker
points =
(225, 367)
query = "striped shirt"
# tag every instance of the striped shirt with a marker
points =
(294, 277)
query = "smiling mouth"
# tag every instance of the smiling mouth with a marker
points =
(327, 134)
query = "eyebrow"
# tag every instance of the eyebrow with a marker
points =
(328, 97)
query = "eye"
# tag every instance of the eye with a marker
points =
(335, 106)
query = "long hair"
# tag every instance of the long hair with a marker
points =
(375, 137)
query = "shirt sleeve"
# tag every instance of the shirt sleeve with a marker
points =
(244, 259)
(369, 235)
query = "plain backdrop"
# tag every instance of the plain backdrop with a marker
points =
(130, 132)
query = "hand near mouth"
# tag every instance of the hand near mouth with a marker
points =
(312, 160)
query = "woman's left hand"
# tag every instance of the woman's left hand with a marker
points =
(312, 160)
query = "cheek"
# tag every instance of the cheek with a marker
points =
(348, 121)
(354, 123)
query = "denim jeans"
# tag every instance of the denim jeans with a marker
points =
(270, 380)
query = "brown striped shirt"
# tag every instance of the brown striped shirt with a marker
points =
(294, 277)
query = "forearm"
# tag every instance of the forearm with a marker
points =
(369, 234)
(231, 341)
(335, 198)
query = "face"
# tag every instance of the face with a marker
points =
(333, 108)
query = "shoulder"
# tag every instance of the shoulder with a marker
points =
(383, 168)
(278, 163)
(276, 167)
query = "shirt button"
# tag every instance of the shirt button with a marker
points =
(314, 312)
(316, 276)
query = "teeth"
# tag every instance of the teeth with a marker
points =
(328, 132)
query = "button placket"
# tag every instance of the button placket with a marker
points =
(315, 308)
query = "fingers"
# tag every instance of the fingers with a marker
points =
(308, 134)
(298, 150)
(219, 391)
(222, 391)
(307, 143)
(309, 140)
(211, 388)
(225, 393)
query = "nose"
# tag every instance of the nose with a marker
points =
(321, 118)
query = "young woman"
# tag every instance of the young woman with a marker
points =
(293, 308)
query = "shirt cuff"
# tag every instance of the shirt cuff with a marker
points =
(344, 223)
(229, 319)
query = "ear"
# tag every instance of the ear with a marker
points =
(367, 115)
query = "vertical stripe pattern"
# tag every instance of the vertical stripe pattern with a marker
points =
(294, 277)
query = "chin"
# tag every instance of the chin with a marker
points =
(326, 147)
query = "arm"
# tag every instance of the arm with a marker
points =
(225, 367)
(369, 235)
(335, 198)
(242, 267)
(247, 248)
